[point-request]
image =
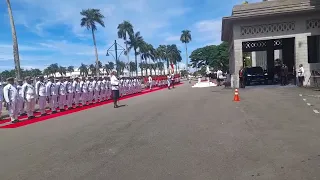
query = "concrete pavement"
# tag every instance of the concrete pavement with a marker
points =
(181, 134)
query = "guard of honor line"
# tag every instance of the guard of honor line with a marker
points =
(21, 97)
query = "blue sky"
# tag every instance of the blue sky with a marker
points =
(49, 30)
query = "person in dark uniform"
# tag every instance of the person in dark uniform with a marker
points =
(284, 74)
(242, 78)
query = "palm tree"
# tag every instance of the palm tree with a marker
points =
(15, 43)
(46, 71)
(89, 20)
(62, 70)
(121, 66)
(70, 69)
(153, 67)
(106, 68)
(142, 66)
(125, 30)
(186, 38)
(111, 65)
(146, 52)
(135, 42)
(160, 66)
(83, 70)
(54, 68)
(132, 67)
(92, 69)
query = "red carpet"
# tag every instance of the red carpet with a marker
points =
(25, 121)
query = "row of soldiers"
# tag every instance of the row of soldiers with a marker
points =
(21, 97)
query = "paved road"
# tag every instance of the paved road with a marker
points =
(182, 134)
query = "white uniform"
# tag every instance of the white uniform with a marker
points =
(114, 83)
(20, 100)
(52, 93)
(121, 88)
(94, 84)
(11, 96)
(29, 96)
(98, 90)
(84, 92)
(77, 92)
(103, 90)
(90, 91)
(108, 89)
(41, 92)
(1, 98)
(69, 94)
(62, 91)
(150, 82)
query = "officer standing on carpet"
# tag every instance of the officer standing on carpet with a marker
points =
(115, 88)
(29, 96)
(11, 97)
(41, 92)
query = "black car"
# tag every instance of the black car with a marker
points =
(256, 75)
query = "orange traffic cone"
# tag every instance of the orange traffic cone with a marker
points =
(236, 97)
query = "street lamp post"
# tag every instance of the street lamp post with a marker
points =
(116, 57)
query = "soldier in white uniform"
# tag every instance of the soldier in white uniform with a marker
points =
(62, 92)
(1, 97)
(11, 96)
(76, 91)
(103, 94)
(150, 82)
(94, 84)
(29, 96)
(70, 93)
(41, 92)
(52, 93)
(115, 89)
(84, 91)
(20, 99)
(90, 89)
(108, 87)
(98, 90)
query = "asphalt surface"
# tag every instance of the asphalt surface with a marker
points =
(182, 134)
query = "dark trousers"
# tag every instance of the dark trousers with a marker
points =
(172, 83)
(284, 80)
(300, 81)
(115, 96)
(242, 83)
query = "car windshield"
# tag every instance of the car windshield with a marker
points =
(255, 70)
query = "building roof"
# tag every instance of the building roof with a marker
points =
(267, 8)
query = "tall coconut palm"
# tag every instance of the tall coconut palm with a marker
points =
(186, 38)
(132, 67)
(125, 30)
(15, 43)
(146, 52)
(135, 42)
(89, 20)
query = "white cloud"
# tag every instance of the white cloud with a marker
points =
(172, 38)
(209, 31)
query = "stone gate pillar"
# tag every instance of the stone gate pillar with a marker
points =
(238, 62)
